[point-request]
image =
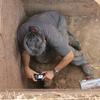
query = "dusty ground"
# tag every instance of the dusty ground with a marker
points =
(82, 20)
(70, 76)
(50, 95)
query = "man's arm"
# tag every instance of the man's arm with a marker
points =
(61, 45)
(26, 60)
(65, 61)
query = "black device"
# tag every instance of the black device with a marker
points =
(39, 76)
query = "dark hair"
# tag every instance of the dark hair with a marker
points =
(34, 43)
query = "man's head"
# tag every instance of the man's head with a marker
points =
(34, 43)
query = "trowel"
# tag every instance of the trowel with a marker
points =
(90, 84)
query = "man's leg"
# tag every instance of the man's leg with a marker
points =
(80, 60)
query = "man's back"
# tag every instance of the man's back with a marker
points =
(39, 20)
(52, 27)
(48, 24)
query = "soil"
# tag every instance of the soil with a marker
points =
(50, 95)
(84, 23)
(83, 20)
(71, 75)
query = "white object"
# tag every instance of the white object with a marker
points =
(89, 84)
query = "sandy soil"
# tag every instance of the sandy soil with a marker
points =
(82, 21)
(50, 95)
(70, 76)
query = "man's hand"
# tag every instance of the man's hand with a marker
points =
(49, 75)
(30, 73)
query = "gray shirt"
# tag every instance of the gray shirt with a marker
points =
(47, 24)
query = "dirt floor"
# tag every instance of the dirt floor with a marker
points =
(50, 95)
(84, 23)
(71, 75)
(82, 17)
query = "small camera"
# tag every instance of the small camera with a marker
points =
(39, 76)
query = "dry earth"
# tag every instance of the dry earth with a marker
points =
(50, 95)
(83, 20)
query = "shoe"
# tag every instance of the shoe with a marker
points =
(87, 71)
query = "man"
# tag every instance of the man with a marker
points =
(45, 30)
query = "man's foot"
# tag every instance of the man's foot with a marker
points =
(87, 71)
